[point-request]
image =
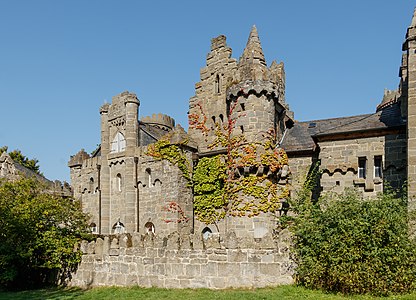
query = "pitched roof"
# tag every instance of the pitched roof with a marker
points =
(301, 136)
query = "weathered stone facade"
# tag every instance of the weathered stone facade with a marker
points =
(126, 191)
(185, 261)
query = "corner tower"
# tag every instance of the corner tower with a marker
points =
(408, 92)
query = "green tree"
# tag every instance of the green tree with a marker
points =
(38, 234)
(17, 156)
(353, 245)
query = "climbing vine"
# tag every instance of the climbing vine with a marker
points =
(242, 182)
(175, 208)
(164, 149)
(209, 190)
(248, 179)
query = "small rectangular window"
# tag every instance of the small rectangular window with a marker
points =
(362, 165)
(378, 166)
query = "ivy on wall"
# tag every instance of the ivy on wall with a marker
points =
(164, 149)
(244, 181)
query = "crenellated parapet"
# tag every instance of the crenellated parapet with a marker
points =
(78, 159)
(185, 261)
(161, 121)
(118, 106)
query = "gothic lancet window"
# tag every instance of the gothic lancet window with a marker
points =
(119, 143)
(149, 227)
(148, 179)
(91, 185)
(119, 182)
(217, 84)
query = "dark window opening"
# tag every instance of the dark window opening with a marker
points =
(91, 185)
(206, 233)
(362, 165)
(148, 179)
(217, 84)
(378, 166)
(93, 228)
(149, 227)
(118, 228)
(119, 182)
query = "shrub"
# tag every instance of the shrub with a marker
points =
(38, 234)
(352, 245)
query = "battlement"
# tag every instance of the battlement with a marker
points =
(218, 42)
(125, 97)
(78, 159)
(161, 121)
(185, 261)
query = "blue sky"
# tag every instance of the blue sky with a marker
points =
(60, 60)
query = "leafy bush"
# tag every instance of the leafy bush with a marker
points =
(38, 234)
(353, 245)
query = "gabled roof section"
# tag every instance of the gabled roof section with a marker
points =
(150, 134)
(301, 137)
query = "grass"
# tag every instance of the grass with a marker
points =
(281, 292)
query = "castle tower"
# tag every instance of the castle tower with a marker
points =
(209, 101)
(249, 95)
(408, 86)
(248, 89)
(255, 101)
(119, 140)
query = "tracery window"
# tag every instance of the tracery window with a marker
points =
(119, 143)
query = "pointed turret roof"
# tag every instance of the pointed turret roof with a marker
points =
(253, 50)
(413, 24)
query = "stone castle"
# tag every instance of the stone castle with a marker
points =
(126, 191)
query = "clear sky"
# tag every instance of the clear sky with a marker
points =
(60, 60)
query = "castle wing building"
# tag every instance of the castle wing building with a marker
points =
(126, 190)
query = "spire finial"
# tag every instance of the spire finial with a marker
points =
(253, 50)
(413, 24)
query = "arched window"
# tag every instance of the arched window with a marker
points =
(149, 227)
(206, 233)
(217, 84)
(148, 180)
(93, 227)
(91, 185)
(118, 228)
(119, 143)
(119, 182)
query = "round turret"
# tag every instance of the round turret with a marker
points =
(160, 121)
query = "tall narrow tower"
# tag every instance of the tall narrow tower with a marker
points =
(119, 140)
(250, 96)
(408, 73)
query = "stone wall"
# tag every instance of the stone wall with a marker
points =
(299, 168)
(186, 261)
(340, 163)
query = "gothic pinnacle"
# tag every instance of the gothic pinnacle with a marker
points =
(253, 50)
(413, 24)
